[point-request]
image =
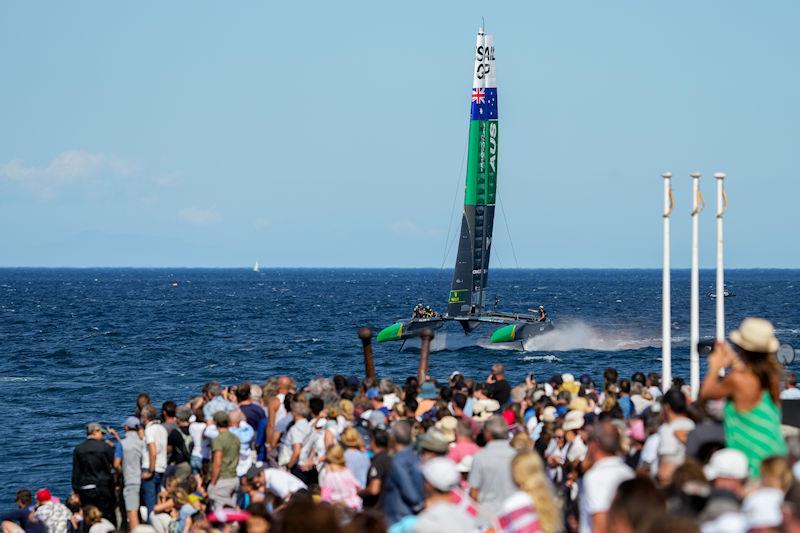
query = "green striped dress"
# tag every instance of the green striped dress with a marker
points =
(756, 433)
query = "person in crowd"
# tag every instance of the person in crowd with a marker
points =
(378, 470)
(132, 451)
(356, 459)
(299, 443)
(728, 471)
(490, 478)
(224, 459)
(791, 392)
(336, 482)
(154, 457)
(533, 508)
(254, 414)
(637, 506)
(441, 514)
(606, 470)
(17, 520)
(404, 485)
(95, 521)
(215, 401)
(238, 425)
(50, 516)
(624, 399)
(752, 415)
(179, 442)
(497, 386)
(93, 471)
(674, 433)
(576, 448)
(464, 445)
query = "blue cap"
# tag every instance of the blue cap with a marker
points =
(131, 422)
(373, 393)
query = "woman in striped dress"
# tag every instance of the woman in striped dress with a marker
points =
(752, 416)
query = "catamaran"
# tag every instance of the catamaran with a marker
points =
(466, 302)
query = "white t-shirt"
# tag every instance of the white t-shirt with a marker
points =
(599, 486)
(282, 483)
(792, 393)
(300, 433)
(650, 453)
(202, 446)
(155, 432)
(577, 450)
(670, 445)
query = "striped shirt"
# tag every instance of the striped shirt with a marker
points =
(756, 433)
(518, 515)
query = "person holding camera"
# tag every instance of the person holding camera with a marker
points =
(497, 387)
(752, 415)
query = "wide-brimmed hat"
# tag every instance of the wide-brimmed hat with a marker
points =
(756, 335)
(483, 409)
(428, 391)
(579, 403)
(573, 420)
(549, 414)
(447, 425)
(434, 440)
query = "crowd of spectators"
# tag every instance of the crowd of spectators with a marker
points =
(566, 453)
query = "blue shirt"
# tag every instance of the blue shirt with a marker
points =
(626, 405)
(358, 463)
(217, 403)
(404, 493)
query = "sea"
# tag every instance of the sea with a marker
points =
(79, 344)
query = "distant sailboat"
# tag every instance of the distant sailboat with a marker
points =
(256, 268)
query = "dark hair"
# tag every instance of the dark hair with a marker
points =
(168, 408)
(316, 405)
(766, 368)
(676, 401)
(411, 405)
(639, 503)
(367, 522)
(380, 437)
(655, 379)
(446, 393)
(459, 400)
(610, 375)
(678, 382)
(638, 377)
(303, 515)
(287, 401)
(24, 497)
(625, 386)
(243, 392)
(339, 382)
(791, 378)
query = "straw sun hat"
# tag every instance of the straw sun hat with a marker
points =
(756, 335)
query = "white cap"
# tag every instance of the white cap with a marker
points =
(727, 463)
(763, 508)
(567, 378)
(441, 473)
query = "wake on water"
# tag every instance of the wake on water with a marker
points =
(568, 335)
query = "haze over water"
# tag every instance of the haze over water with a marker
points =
(78, 345)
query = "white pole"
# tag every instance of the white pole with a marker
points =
(720, 290)
(666, 316)
(694, 313)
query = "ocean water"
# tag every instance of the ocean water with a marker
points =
(79, 344)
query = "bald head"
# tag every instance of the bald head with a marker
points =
(498, 370)
(235, 417)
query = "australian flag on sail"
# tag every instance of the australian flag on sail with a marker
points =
(484, 103)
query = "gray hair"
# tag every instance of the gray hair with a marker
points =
(300, 409)
(322, 388)
(496, 427)
(386, 386)
(149, 412)
(401, 432)
(214, 389)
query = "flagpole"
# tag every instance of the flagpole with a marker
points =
(722, 206)
(694, 312)
(666, 317)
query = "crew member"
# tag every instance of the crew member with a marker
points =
(542, 314)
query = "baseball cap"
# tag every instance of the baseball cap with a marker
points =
(727, 463)
(763, 508)
(131, 422)
(373, 393)
(91, 427)
(43, 495)
(441, 473)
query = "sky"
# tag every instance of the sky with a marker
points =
(332, 134)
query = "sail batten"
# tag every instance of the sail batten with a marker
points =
(470, 276)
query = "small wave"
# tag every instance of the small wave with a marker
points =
(542, 358)
(18, 379)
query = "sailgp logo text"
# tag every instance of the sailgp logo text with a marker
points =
(484, 55)
(493, 146)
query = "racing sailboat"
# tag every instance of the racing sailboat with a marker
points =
(466, 302)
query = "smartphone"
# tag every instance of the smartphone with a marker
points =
(706, 346)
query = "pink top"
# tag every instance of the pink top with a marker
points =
(461, 450)
(340, 486)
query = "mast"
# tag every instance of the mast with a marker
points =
(474, 246)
